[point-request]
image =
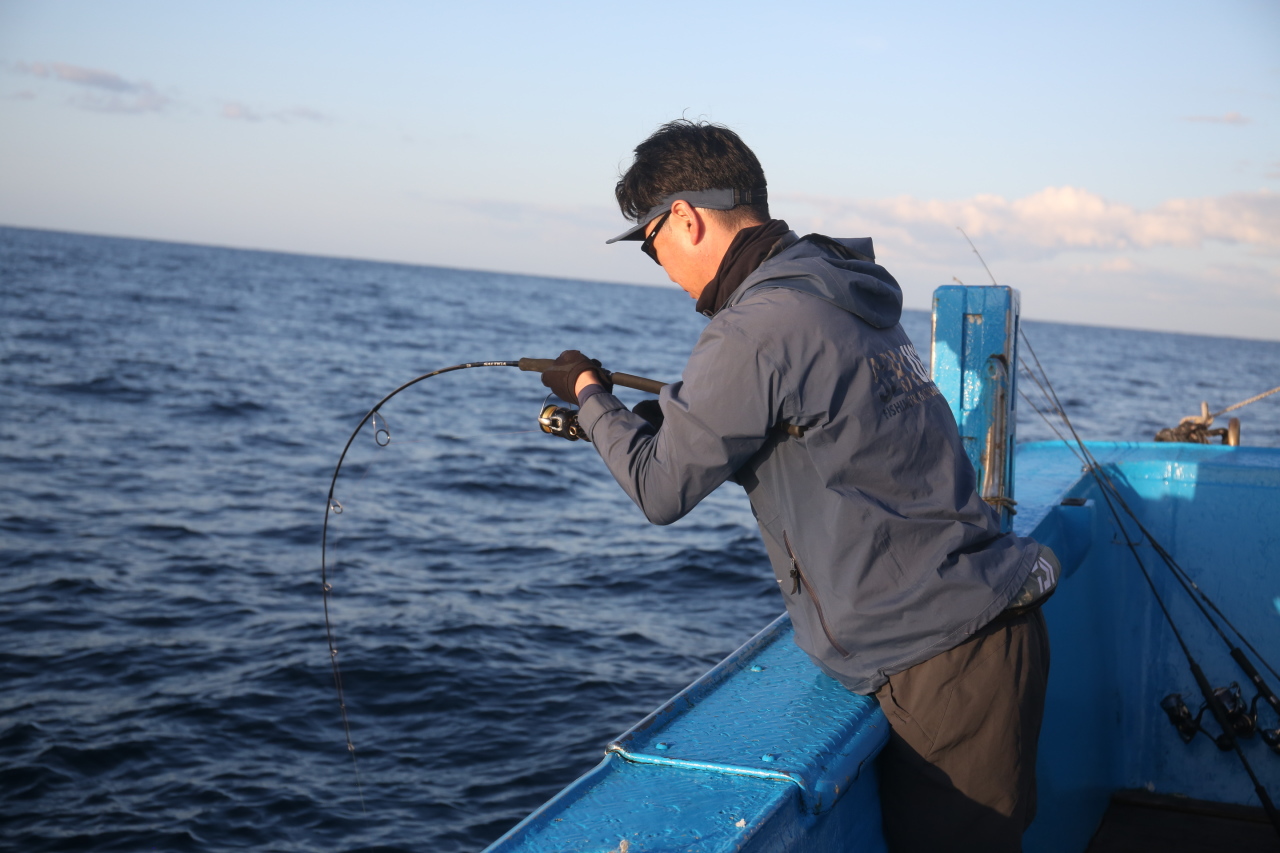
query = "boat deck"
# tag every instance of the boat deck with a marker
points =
(1139, 821)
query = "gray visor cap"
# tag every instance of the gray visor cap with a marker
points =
(710, 199)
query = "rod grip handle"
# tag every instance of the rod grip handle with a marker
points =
(1256, 678)
(1227, 740)
(639, 383)
(626, 380)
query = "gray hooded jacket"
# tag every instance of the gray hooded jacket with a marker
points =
(884, 551)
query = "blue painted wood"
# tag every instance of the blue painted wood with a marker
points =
(766, 711)
(620, 806)
(974, 364)
(1217, 509)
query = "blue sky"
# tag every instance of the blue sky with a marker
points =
(1118, 162)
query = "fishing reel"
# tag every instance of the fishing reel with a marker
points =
(1180, 715)
(1242, 718)
(1244, 721)
(561, 421)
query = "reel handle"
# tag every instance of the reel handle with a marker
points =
(626, 380)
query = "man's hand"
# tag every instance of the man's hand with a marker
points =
(572, 372)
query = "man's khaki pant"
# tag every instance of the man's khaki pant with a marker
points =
(959, 771)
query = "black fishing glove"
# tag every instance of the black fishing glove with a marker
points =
(562, 377)
(651, 411)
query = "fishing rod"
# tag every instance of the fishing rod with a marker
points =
(1245, 722)
(563, 421)
(1224, 705)
(1198, 596)
(555, 420)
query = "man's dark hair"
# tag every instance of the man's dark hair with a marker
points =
(684, 155)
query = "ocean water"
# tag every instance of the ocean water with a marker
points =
(170, 416)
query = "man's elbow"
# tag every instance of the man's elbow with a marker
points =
(663, 515)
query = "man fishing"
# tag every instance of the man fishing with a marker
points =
(804, 389)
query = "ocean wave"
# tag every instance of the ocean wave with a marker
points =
(166, 451)
(107, 387)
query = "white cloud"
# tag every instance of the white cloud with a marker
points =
(302, 114)
(1051, 221)
(1192, 264)
(236, 111)
(1227, 118)
(1120, 264)
(108, 91)
(76, 74)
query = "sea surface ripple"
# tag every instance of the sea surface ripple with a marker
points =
(171, 417)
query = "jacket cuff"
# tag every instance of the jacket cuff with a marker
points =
(595, 408)
(589, 392)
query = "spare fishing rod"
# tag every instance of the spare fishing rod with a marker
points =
(1216, 700)
(1104, 482)
(1244, 721)
(1198, 596)
(555, 420)
(1213, 698)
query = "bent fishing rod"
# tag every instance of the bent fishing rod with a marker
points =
(553, 419)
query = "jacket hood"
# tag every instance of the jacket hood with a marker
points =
(841, 271)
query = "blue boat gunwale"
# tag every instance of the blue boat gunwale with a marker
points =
(689, 697)
(833, 754)
(834, 771)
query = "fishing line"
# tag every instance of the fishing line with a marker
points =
(1050, 424)
(382, 436)
(979, 254)
(1104, 481)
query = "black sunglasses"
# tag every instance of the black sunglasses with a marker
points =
(647, 245)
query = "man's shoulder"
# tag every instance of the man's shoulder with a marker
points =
(789, 323)
(773, 307)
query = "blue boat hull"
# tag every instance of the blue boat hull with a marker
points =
(766, 753)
